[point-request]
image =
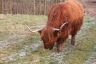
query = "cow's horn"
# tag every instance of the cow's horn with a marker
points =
(63, 25)
(56, 29)
(31, 30)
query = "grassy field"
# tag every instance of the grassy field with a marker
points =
(19, 46)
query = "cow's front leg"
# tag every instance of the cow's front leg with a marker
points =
(60, 46)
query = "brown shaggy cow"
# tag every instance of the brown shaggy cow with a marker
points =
(64, 19)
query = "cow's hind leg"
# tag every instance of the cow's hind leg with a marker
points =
(73, 40)
(75, 28)
(73, 35)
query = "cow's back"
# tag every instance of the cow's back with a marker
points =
(73, 10)
(68, 11)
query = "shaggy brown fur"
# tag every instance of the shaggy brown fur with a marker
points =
(70, 11)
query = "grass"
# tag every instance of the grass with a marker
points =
(11, 25)
(83, 50)
(27, 48)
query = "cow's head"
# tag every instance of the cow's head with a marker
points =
(49, 35)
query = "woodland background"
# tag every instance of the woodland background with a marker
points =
(36, 7)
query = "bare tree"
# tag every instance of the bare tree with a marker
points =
(0, 6)
(26, 6)
(34, 8)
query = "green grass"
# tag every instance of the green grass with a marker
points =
(11, 25)
(84, 49)
(15, 25)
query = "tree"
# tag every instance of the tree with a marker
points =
(0, 6)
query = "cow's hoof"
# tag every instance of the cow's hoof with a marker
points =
(72, 43)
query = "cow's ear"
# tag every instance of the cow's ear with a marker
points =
(40, 31)
(56, 33)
